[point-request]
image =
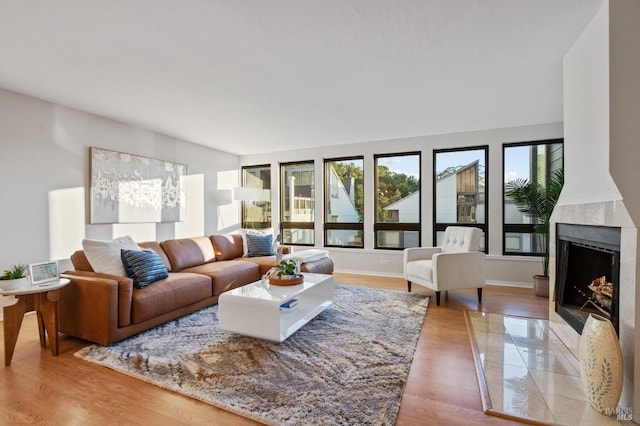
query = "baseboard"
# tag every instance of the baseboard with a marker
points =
(377, 274)
(510, 284)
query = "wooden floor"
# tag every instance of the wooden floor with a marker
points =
(441, 389)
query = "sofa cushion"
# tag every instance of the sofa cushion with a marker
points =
(155, 246)
(228, 274)
(260, 245)
(227, 247)
(104, 256)
(264, 262)
(144, 266)
(176, 291)
(187, 252)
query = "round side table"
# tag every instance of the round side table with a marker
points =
(41, 298)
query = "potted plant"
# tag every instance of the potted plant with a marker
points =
(287, 268)
(537, 202)
(14, 277)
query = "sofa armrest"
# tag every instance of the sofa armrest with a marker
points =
(419, 253)
(459, 270)
(123, 287)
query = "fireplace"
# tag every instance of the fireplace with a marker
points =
(588, 273)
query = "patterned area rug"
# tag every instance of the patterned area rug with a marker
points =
(349, 365)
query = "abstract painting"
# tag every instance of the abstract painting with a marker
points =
(127, 188)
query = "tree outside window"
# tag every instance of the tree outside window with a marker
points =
(397, 223)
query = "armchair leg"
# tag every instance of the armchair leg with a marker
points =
(409, 285)
(437, 298)
(479, 294)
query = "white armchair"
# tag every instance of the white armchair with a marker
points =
(456, 264)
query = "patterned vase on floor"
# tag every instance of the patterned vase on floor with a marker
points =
(601, 364)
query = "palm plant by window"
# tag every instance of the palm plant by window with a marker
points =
(537, 201)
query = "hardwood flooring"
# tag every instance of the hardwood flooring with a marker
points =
(441, 389)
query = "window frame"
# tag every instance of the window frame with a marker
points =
(243, 180)
(296, 225)
(396, 226)
(338, 226)
(521, 228)
(440, 227)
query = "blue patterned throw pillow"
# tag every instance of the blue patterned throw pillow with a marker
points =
(144, 266)
(260, 245)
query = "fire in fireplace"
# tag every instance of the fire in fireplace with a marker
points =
(587, 273)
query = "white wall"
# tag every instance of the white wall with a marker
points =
(586, 163)
(389, 262)
(45, 176)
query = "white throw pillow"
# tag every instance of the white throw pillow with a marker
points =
(104, 256)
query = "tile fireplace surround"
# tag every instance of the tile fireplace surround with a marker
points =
(609, 213)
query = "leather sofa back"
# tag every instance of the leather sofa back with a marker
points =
(227, 247)
(187, 252)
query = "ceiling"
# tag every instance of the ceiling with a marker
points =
(253, 76)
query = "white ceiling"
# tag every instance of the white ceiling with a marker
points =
(251, 76)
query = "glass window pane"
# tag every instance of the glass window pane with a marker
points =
(398, 186)
(297, 201)
(397, 239)
(256, 204)
(535, 163)
(460, 178)
(523, 242)
(344, 237)
(297, 236)
(344, 192)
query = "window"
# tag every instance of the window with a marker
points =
(460, 192)
(256, 196)
(297, 203)
(344, 202)
(534, 161)
(397, 224)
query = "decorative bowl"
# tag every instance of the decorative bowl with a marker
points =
(294, 280)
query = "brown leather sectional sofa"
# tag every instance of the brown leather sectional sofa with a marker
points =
(106, 308)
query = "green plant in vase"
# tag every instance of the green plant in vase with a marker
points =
(286, 267)
(14, 272)
(13, 278)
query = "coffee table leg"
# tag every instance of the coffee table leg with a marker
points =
(13, 316)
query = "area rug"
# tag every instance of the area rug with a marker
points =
(349, 365)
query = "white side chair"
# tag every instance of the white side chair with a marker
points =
(456, 264)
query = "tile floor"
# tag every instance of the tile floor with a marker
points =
(530, 373)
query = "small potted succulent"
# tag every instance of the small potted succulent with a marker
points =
(14, 277)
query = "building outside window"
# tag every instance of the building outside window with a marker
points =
(397, 186)
(534, 161)
(344, 202)
(459, 194)
(297, 203)
(256, 197)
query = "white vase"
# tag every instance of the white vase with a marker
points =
(601, 364)
(13, 284)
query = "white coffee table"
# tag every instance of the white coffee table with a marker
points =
(255, 309)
